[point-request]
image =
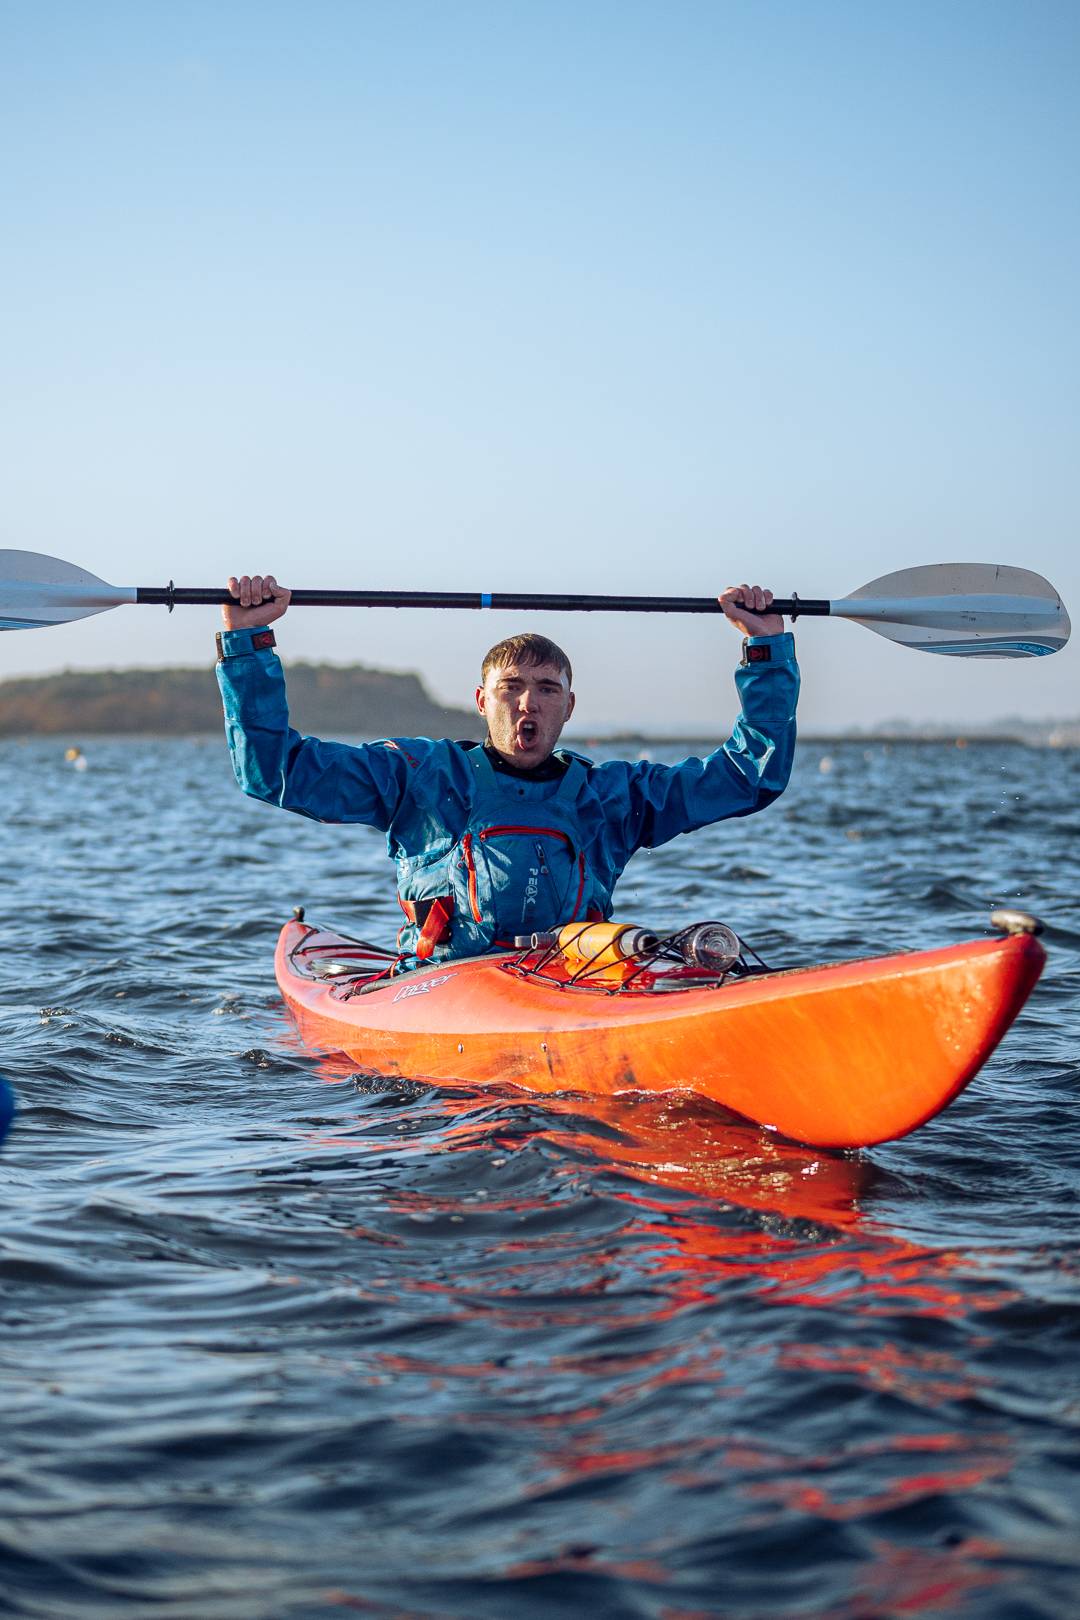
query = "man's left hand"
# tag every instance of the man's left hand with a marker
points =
(747, 606)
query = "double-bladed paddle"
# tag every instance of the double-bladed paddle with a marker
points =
(967, 610)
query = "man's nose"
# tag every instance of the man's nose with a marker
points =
(527, 700)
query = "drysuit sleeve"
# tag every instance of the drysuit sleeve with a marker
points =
(653, 803)
(328, 781)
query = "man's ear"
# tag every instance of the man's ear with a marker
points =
(570, 701)
(480, 706)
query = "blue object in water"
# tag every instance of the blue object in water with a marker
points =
(7, 1107)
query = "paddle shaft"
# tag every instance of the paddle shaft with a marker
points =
(963, 610)
(171, 596)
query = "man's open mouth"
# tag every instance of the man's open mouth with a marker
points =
(527, 733)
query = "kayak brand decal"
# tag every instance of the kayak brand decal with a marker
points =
(423, 987)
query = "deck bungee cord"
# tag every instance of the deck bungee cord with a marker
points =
(616, 956)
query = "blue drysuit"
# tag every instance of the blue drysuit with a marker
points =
(483, 856)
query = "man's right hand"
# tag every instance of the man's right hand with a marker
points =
(259, 600)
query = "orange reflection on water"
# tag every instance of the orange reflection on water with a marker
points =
(820, 1503)
(680, 1144)
(923, 1581)
(712, 1204)
(924, 1377)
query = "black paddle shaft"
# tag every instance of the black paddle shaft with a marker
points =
(171, 596)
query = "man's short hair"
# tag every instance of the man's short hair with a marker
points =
(526, 649)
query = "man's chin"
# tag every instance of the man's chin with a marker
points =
(524, 756)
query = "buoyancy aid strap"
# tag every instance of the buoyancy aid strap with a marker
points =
(574, 776)
(433, 918)
(568, 786)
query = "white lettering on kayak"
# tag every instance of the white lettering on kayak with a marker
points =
(422, 987)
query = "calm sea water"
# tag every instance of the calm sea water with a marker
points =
(276, 1346)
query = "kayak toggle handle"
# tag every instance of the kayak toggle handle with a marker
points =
(1011, 921)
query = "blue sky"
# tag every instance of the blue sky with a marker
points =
(601, 297)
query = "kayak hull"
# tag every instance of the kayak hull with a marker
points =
(844, 1055)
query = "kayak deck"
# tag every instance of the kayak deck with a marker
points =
(843, 1055)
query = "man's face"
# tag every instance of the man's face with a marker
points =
(526, 707)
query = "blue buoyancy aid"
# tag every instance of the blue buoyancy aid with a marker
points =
(518, 866)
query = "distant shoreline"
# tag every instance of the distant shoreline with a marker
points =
(1067, 735)
(324, 698)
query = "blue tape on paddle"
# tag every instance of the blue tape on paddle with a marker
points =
(485, 599)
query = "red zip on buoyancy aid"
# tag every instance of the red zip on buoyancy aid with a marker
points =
(470, 867)
(511, 830)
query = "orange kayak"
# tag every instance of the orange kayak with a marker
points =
(843, 1055)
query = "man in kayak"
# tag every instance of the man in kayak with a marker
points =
(513, 835)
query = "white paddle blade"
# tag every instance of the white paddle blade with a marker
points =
(964, 610)
(36, 591)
